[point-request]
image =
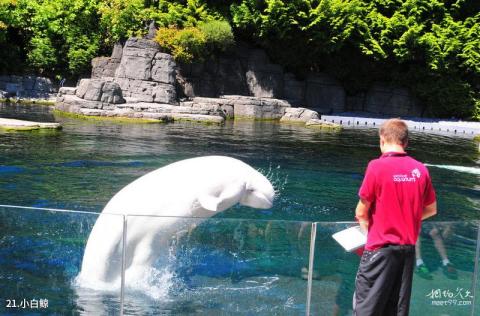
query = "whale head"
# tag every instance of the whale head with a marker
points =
(259, 192)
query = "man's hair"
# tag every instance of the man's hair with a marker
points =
(394, 131)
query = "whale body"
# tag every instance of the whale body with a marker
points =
(198, 187)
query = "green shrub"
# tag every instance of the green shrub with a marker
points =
(218, 34)
(192, 43)
(184, 44)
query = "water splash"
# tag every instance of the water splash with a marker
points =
(276, 177)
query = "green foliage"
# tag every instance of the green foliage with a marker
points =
(194, 43)
(218, 35)
(184, 44)
(369, 40)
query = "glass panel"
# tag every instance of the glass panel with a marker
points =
(40, 258)
(333, 273)
(445, 289)
(476, 308)
(216, 266)
(437, 289)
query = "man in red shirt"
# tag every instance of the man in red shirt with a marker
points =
(395, 196)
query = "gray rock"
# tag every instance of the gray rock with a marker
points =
(147, 91)
(72, 103)
(294, 90)
(29, 82)
(43, 84)
(117, 51)
(152, 31)
(322, 125)
(90, 89)
(265, 81)
(135, 67)
(258, 108)
(163, 68)
(140, 47)
(299, 115)
(391, 101)
(99, 90)
(111, 93)
(67, 91)
(324, 94)
(103, 67)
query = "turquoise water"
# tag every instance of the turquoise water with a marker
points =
(317, 174)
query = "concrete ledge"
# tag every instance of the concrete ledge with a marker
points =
(20, 125)
(447, 128)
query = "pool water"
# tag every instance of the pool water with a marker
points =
(317, 174)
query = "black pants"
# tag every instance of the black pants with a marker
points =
(383, 284)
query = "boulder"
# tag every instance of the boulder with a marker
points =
(298, 115)
(163, 68)
(99, 90)
(90, 89)
(257, 108)
(67, 91)
(135, 67)
(111, 93)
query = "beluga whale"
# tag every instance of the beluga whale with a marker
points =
(156, 205)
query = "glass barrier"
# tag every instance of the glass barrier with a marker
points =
(438, 289)
(210, 266)
(41, 255)
(476, 294)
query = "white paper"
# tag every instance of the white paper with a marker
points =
(351, 238)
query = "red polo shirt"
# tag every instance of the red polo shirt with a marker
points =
(399, 187)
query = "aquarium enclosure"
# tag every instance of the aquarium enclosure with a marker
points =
(217, 266)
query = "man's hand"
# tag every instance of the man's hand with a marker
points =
(429, 210)
(361, 213)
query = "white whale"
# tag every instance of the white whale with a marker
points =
(197, 187)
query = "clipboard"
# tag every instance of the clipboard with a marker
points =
(351, 238)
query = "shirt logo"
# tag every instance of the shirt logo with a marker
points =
(415, 174)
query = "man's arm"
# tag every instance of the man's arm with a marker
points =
(429, 210)
(361, 213)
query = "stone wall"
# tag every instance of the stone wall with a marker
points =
(26, 87)
(146, 74)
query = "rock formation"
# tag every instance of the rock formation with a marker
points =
(139, 80)
(26, 87)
